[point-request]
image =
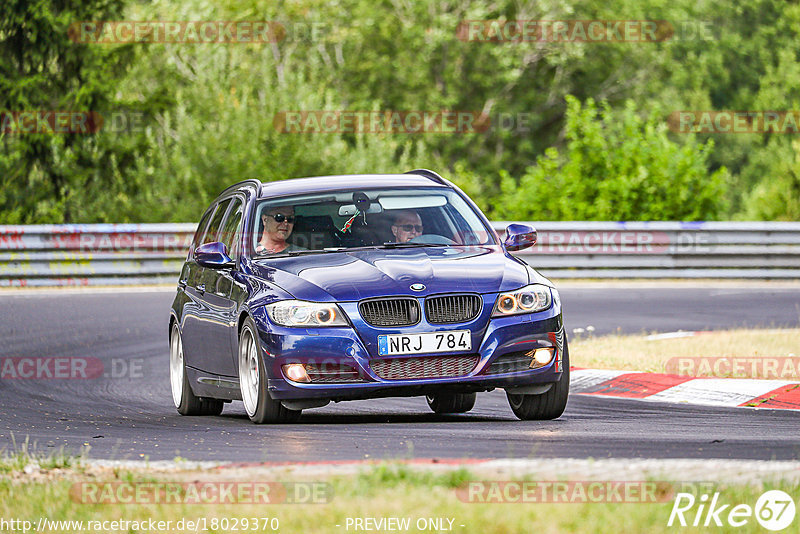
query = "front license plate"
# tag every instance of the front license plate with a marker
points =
(453, 341)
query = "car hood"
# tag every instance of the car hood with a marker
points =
(360, 274)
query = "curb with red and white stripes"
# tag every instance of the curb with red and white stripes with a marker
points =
(655, 387)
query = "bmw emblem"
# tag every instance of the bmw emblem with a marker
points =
(417, 287)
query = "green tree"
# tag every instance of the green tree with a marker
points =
(208, 109)
(45, 176)
(223, 129)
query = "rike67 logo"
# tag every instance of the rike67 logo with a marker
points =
(774, 510)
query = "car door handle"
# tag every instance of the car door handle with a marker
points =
(201, 288)
(182, 283)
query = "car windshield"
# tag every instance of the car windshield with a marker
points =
(389, 218)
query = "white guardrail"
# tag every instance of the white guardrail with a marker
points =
(106, 254)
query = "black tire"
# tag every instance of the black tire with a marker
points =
(549, 405)
(183, 397)
(260, 407)
(451, 402)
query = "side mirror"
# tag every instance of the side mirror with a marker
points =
(213, 255)
(519, 236)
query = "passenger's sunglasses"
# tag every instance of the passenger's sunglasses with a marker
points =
(410, 227)
(280, 217)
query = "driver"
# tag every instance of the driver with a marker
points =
(407, 225)
(278, 225)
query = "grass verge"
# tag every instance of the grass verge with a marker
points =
(427, 501)
(25, 458)
(638, 353)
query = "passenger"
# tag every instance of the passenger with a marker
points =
(278, 226)
(406, 226)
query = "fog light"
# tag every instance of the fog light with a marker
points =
(543, 356)
(296, 372)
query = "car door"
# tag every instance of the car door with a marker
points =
(202, 318)
(217, 353)
(189, 272)
(190, 310)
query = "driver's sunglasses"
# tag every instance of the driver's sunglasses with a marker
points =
(410, 227)
(280, 217)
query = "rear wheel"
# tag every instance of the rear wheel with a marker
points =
(260, 407)
(182, 395)
(451, 402)
(549, 405)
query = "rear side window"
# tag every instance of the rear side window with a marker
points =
(230, 230)
(201, 229)
(216, 222)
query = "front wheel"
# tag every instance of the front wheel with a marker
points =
(451, 402)
(549, 405)
(260, 407)
(182, 395)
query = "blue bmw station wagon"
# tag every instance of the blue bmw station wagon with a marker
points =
(301, 292)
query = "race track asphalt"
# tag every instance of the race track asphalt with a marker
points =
(129, 414)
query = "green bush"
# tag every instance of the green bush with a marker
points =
(616, 165)
(777, 195)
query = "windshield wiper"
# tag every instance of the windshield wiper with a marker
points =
(317, 251)
(300, 252)
(410, 245)
(293, 253)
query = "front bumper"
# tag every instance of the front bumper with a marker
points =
(343, 346)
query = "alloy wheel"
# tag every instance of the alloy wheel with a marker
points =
(249, 375)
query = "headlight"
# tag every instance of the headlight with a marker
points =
(301, 313)
(529, 299)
